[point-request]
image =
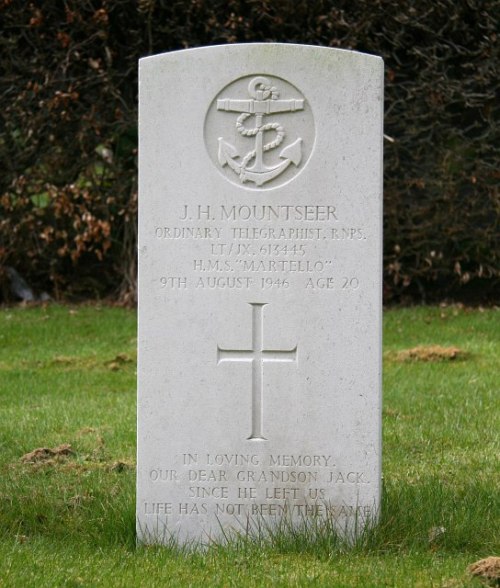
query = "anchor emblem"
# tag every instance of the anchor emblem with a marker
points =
(264, 100)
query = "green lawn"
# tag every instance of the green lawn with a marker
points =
(67, 376)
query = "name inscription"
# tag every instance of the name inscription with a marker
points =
(264, 212)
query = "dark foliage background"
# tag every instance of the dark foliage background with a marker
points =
(68, 129)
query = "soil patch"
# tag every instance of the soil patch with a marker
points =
(487, 570)
(45, 453)
(429, 353)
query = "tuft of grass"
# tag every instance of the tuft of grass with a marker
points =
(67, 513)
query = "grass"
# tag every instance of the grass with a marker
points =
(67, 376)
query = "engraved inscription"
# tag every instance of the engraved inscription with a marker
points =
(263, 484)
(257, 356)
(252, 247)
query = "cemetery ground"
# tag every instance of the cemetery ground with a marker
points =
(67, 484)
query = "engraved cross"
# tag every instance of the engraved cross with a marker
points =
(257, 356)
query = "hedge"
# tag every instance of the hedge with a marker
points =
(68, 131)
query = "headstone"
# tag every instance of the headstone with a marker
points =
(260, 257)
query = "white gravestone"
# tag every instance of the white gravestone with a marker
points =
(260, 254)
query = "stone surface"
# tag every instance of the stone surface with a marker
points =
(260, 255)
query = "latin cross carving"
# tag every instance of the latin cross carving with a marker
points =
(257, 356)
